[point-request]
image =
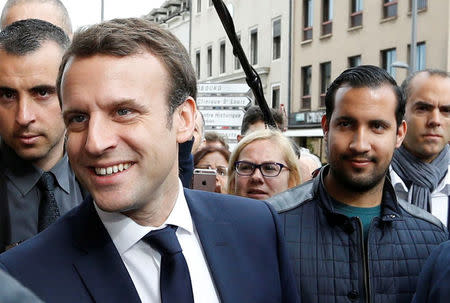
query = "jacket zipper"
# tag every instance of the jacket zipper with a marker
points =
(365, 265)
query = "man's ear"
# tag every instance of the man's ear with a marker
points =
(325, 126)
(401, 133)
(185, 120)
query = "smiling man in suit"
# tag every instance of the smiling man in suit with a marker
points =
(127, 89)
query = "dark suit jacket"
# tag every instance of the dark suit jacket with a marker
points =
(12, 292)
(433, 285)
(75, 260)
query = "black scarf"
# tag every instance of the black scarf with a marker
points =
(423, 177)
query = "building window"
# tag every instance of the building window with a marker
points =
(306, 87)
(237, 63)
(420, 55)
(307, 19)
(254, 46)
(209, 61)
(327, 17)
(354, 61)
(276, 96)
(388, 57)
(325, 80)
(276, 39)
(356, 13)
(421, 4)
(222, 57)
(197, 63)
(199, 6)
(389, 8)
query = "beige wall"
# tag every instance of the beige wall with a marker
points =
(207, 30)
(374, 35)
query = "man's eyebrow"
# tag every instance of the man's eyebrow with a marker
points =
(345, 118)
(69, 111)
(128, 102)
(3, 88)
(49, 87)
(381, 121)
(423, 103)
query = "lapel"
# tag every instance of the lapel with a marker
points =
(99, 265)
(218, 243)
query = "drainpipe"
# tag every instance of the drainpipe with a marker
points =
(289, 69)
(190, 27)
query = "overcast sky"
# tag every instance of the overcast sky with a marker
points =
(84, 12)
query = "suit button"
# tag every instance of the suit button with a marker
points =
(353, 295)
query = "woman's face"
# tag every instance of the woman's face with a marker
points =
(217, 161)
(257, 186)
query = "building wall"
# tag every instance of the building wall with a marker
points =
(368, 40)
(207, 30)
(179, 26)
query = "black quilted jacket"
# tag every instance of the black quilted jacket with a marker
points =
(326, 249)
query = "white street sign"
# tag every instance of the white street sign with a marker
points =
(224, 117)
(230, 134)
(222, 88)
(223, 101)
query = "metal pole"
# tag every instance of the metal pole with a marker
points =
(413, 48)
(102, 16)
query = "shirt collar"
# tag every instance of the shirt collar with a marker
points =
(445, 185)
(125, 232)
(24, 175)
(398, 183)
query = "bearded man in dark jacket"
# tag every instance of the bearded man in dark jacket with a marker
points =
(349, 238)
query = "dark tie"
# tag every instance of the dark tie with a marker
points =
(175, 282)
(48, 209)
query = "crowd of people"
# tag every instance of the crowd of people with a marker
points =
(101, 136)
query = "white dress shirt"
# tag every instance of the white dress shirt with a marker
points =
(143, 262)
(439, 197)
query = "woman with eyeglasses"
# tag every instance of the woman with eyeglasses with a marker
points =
(211, 157)
(263, 164)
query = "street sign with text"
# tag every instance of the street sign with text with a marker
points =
(222, 88)
(223, 101)
(224, 117)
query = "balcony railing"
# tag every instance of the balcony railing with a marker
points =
(327, 27)
(307, 33)
(306, 102)
(322, 100)
(356, 19)
(390, 9)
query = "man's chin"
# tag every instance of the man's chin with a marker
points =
(30, 154)
(361, 183)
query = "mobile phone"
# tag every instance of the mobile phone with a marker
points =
(204, 179)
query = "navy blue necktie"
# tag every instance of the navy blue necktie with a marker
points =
(48, 209)
(175, 281)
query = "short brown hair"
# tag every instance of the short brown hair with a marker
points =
(209, 150)
(131, 36)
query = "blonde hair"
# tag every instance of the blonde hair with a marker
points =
(280, 140)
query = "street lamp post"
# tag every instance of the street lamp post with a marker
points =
(102, 12)
(413, 48)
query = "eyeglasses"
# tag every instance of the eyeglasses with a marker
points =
(221, 170)
(267, 169)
